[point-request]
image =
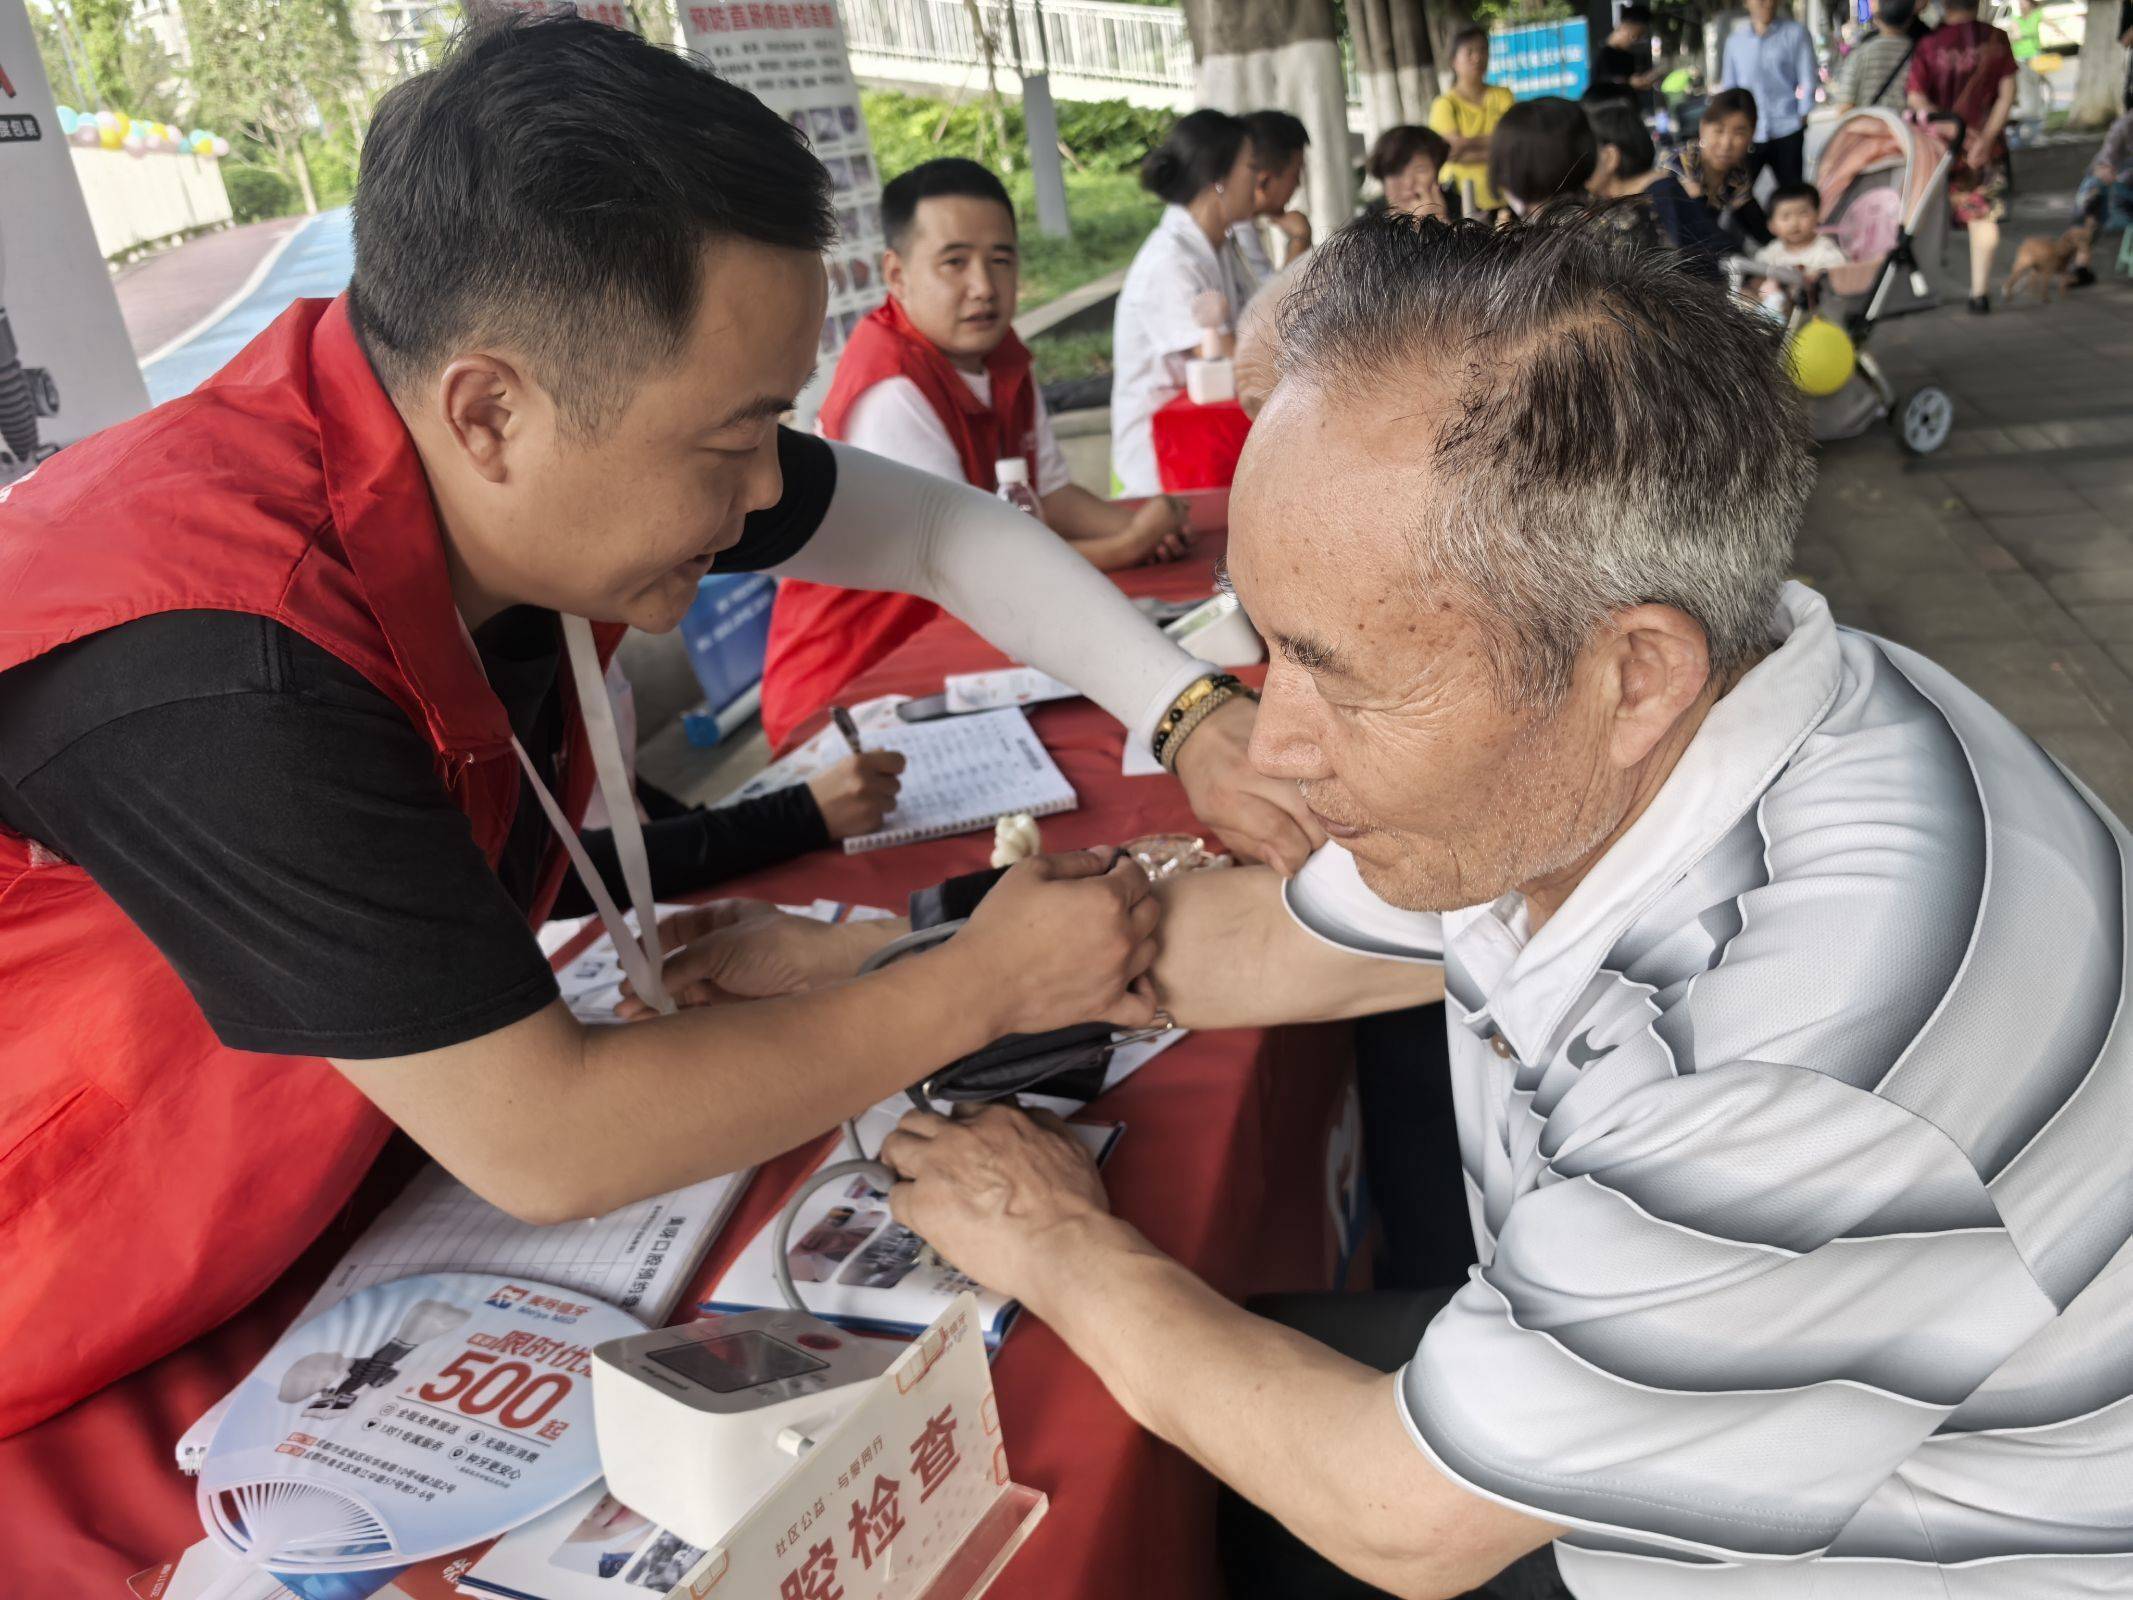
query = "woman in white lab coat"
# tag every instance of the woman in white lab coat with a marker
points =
(1204, 171)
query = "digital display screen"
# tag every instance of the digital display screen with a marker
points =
(735, 1361)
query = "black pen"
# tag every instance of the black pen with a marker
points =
(847, 727)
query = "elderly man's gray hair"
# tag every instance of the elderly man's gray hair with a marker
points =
(1607, 429)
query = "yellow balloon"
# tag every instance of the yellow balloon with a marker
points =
(1821, 355)
(125, 125)
(110, 138)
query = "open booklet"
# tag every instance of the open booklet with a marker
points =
(961, 773)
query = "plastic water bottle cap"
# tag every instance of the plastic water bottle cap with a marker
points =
(1011, 469)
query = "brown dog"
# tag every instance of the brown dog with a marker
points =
(2049, 263)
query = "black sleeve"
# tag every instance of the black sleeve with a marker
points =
(698, 848)
(279, 834)
(776, 534)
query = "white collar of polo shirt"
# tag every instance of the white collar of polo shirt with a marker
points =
(1743, 744)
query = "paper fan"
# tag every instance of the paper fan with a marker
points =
(412, 1419)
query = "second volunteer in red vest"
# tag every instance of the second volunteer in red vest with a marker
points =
(298, 692)
(936, 378)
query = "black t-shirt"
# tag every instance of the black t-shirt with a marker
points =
(1611, 64)
(276, 826)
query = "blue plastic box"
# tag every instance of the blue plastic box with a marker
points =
(727, 630)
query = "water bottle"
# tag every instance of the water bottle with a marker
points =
(1012, 475)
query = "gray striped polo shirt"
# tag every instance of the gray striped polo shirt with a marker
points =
(1799, 1152)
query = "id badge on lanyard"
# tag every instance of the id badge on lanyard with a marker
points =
(642, 959)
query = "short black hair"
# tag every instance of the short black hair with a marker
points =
(1895, 13)
(1542, 150)
(1466, 36)
(1795, 191)
(1640, 16)
(553, 182)
(1197, 153)
(1400, 144)
(949, 176)
(1277, 138)
(1731, 103)
(1616, 123)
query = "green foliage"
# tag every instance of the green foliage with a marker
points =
(1111, 214)
(1104, 135)
(1512, 12)
(258, 192)
(1058, 356)
(98, 58)
(271, 72)
(332, 158)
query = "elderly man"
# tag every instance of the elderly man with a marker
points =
(1783, 979)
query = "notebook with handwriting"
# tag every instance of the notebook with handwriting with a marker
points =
(963, 773)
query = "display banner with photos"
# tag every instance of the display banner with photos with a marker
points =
(66, 365)
(791, 55)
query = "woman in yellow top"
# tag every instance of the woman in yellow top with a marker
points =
(1467, 113)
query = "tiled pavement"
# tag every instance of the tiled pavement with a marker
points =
(2008, 557)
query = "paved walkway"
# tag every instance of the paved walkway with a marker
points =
(172, 291)
(317, 261)
(2008, 557)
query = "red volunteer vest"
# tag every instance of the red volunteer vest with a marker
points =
(822, 637)
(153, 1182)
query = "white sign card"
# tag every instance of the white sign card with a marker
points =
(66, 365)
(882, 1504)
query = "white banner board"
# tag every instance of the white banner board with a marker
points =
(791, 55)
(66, 365)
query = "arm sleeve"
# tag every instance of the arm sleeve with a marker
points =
(1736, 1301)
(1727, 77)
(1443, 119)
(699, 848)
(1025, 590)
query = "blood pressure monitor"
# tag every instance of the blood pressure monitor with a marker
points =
(697, 1422)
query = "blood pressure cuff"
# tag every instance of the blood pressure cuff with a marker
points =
(1065, 1063)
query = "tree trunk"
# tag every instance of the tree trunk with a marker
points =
(1394, 61)
(1255, 53)
(1445, 19)
(302, 171)
(2098, 89)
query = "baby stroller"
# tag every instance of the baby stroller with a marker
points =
(1884, 184)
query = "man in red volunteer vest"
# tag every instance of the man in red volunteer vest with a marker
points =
(265, 653)
(936, 378)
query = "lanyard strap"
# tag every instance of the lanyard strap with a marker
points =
(642, 959)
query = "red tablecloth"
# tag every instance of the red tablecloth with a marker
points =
(1237, 1151)
(1196, 446)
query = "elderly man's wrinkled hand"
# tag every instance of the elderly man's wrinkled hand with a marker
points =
(995, 1193)
(1259, 818)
